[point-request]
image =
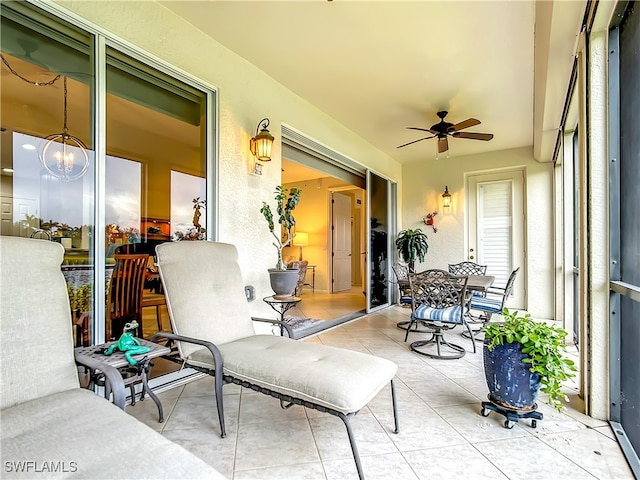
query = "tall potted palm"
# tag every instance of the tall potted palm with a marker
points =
(283, 280)
(412, 245)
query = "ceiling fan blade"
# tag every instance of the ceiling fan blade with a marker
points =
(473, 136)
(443, 144)
(469, 122)
(419, 140)
(423, 130)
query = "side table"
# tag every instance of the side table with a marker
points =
(281, 306)
(313, 278)
(117, 360)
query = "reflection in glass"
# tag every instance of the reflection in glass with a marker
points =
(379, 241)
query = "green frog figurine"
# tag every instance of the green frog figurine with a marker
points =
(128, 344)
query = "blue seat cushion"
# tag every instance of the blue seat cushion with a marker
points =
(487, 304)
(405, 300)
(449, 314)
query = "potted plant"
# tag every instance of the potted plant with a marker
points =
(412, 245)
(283, 280)
(522, 357)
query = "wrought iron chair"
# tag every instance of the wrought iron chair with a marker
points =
(467, 268)
(495, 298)
(215, 335)
(438, 300)
(401, 272)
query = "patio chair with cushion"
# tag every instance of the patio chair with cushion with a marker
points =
(438, 300)
(495, 298)
(215, 334)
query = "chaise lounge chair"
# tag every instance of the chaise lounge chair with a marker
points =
(214, 329)
(52, 428)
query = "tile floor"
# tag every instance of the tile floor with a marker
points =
(442, 435)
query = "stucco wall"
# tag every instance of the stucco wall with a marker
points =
(245, 95)
(423, 184)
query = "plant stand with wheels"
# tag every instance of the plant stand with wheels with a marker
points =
(511, 415)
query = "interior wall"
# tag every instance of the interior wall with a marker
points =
(423, 184)
(245, 95)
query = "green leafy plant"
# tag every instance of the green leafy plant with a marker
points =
(543, 345)
(286, 201)
(412, 245)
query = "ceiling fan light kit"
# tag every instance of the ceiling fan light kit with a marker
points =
(443, 130)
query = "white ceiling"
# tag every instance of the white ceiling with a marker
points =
(380, 66)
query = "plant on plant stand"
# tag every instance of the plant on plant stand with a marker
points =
(412, 245)
(286, 202)
(522, 357)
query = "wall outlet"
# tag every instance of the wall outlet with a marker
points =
(250, 293)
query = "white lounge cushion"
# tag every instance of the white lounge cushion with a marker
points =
(83, 434)
(336, 378)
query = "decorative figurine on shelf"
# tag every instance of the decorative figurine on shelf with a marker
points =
(197, 205)
(128, 344)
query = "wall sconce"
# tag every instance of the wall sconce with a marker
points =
(301, 240)
(446, 198)
(260, 145)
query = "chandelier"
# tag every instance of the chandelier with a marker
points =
(58, 151)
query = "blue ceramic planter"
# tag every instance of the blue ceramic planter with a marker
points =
(509, 380)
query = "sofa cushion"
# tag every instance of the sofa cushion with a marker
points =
(35, 327)
(82, 435)
(336, 378)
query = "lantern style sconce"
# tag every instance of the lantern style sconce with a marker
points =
(261, 144)
(446, 198)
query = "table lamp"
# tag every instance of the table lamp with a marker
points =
(301, 240)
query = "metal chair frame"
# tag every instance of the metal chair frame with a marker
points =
(439, 290)
(467, 268)
(502, 293)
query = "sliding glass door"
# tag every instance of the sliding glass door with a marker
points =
(140, 189)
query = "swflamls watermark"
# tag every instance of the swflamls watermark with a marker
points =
(38, 466)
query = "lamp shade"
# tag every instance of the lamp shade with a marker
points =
(301, 239)
(446, 197)
(261, 144)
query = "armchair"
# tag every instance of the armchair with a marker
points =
(438, 300)
(495, 298)
(215, 335)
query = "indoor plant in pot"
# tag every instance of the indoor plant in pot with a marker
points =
(412, 245)
(522, 357)
(283, 280)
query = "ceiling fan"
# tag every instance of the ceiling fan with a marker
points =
(442, 130)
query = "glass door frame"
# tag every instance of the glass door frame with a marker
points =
(392, 230)
(102, 41)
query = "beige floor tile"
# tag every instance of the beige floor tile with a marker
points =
(376, 467)
(442, 434)
(331, 437)
(451, 463)
(299, 471)
(528, 457)
(263, 445)
(596, 453)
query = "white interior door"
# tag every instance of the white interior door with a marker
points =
(496, 228)
(341, 242)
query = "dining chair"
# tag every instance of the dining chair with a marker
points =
(401, 273)
(495, 298)
(438, 301)
(467, 268)
(125, 293)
